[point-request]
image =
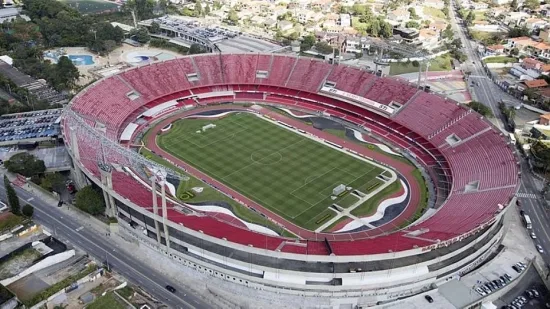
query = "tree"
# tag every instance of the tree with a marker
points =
(531, 4)
(412, 24)
(25, 164)
(448, 32)
(196, 49)
(375, 28)
(140, 34)
(470, 17)
(27, 210)
(207, 9)
(13, 200)
(307, 42)
(53, 182)
(358, 9)
(155, 27)
(90, 200)
(198, 8)
(514, 5)
(323, 48)
(413, 14)
(480, 108)
(514, 51)
(232, 16)
(386, 30)
(143, 8)
(518, 31)
(66, 74)
(445, 11)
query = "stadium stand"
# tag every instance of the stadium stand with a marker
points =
(453, 143)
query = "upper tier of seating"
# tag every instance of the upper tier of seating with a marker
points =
(479, 157)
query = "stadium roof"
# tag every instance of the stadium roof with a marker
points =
(458, 294)
(246, 44)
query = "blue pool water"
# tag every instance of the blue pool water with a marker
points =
(81, 59)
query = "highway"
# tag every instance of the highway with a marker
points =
(99, 246)
(490, 94)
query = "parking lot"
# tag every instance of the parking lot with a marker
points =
(531, 280)
(32, 125)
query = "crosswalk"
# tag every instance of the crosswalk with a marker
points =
(526, 195)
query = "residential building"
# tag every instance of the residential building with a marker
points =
(429, 38)
(345, 20)
(494, 50)
(437, 4)
(501, 2)
(284, 25)
(533, 84)
(438, 25)
(479, 6)
(515, 18)
(399, 15)
(535, 23)
(528, 46)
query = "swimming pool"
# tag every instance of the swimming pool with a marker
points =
(81, 59)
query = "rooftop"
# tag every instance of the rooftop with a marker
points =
(536, 83)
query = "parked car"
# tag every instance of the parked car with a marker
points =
(539, 248)
(429, 298)
(533, 235)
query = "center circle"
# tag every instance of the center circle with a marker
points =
(266, 157)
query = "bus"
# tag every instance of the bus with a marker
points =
(527, 221)
(512, 139)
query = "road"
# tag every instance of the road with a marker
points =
(489, 94)
(101, 248)
(484, 89)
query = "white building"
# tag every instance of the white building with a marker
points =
(345, 20)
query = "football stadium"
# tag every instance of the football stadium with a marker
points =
(295, 176)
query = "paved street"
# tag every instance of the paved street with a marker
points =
(485, 91)
(490, 94)
(99, 246)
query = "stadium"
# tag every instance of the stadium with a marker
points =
(231, 165)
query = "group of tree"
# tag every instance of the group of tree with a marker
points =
(412, 12)
(480, 108)
(90, 200)
(25, 164)
(375, 26)
(53, 182)
(412, 24)
(13, 199)
(517, 32)
(104, 38)
(307, 42)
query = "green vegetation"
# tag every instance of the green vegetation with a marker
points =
(347, 201)
(53, 182)
(54, 288)
(126, 292)
(284, 172)
(480, 108)
(487, 38)
(209, 194)
(25, 164)
(109, 300)
(13, 199)
(369, 206)
(8, 221)
(500, 59)
(165, 44)
(433, 12)
(90, 200)
(27, 210)
(440, 63)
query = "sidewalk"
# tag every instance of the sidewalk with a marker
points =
(131, 247)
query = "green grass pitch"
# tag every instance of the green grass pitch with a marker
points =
(283, 171)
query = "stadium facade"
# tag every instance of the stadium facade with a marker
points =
(472, 168)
